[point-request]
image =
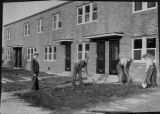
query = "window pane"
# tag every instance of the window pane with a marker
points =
(87, 9)
(151, 43)
(50, 56)
(54, 56)
(80, 11)
(137, 55)
(54, 18)
(86, 17)
(54, 49)
(151, 4)
(80, 47)
(87, 47)
(94, 16)
(32, 51)
(79, 19)
(59, 24)
(94, 7)
(80, 55)
(151, 52)
(137, 43)
(45, 49)
(28, 51)
(50, 49)
(138, 6)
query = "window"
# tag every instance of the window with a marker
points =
(50, 53)
(138, 6)
(30, 52)
(56, 21)
(151, 4)
(137, 49)
(142, 46)
(8, 55)
(26, 29)
(40, 26)
(143, 6)
(94, 13)
(151, 46)
(83, 51)
(87, 13)
(8, 33)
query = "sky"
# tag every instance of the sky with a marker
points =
(17, 10)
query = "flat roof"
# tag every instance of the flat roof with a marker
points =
(62, 4)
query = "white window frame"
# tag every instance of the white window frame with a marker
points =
(143, 50)
(90, 13)
(8, 34)
(48, 53)
(144, 7)
(83, 50)
(8, 55)
(40, 26)
(30, 54)
(58, 20)
(27, 30)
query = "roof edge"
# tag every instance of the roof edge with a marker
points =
(62, 4)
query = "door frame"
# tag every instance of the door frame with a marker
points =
(109, 52)
(19, 51)
(104, 57)
(68, 43)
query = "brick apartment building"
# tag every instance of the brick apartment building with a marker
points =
(68, 32)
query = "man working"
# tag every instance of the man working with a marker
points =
(123, 70)
(151, 71)
(77, 69)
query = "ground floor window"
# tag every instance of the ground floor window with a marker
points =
(8, 55)
(50, 53)
(143, 45)
(30, 52)
(83, 51)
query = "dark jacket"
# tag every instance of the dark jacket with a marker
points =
(34, 67)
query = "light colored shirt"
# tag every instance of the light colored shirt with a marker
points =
(148, 63)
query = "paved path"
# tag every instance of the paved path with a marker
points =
(141, 103)
(11, 104)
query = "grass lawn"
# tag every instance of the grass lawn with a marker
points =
(67, 99)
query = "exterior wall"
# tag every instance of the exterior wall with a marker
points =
(112, 17)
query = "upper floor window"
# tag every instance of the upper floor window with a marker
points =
(30, 52)
(40, 25)
(83, 51)
(26, 29)
(142, 46)
(8, 34)
(8, 55)
(50, 53)
(56, 21)
(87, 13)
(143, 6)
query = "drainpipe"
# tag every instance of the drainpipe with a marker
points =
(159, 36)
(1, 53)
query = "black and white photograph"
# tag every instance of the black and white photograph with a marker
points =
(80, 57)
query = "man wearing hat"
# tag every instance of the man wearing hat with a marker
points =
(151, 71)
(77, 69)
(35, 71)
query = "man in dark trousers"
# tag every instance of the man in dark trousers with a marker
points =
(77, 69)
(35, 71)
(123, 70)
(151, 71)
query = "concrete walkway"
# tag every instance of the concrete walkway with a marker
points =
(141, 103)
(11, 104)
